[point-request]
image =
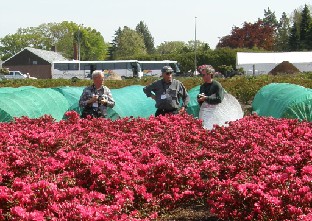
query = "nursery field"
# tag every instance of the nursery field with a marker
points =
(164, 168)
(243, 88)
(257, 168)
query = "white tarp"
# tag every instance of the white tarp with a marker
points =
(263, 63)
(228, 110)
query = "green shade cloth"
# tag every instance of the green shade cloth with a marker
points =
(193, 107)
(283, 100)
(5, 90)
(31, 102)
(36, 102)
(72, 95)
(129, 101)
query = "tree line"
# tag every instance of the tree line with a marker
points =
(293, 33)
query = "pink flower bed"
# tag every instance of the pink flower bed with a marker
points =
(133, 169)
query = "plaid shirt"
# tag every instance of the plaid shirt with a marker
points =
(90, 91)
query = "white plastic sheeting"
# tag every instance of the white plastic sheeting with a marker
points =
(228, 110)
(263, 63)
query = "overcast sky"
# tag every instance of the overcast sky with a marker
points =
(167, 20)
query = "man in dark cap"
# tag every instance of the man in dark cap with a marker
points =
(167, 93)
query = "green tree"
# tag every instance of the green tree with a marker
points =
(305, 26)
(270, 19)
(114, 44)
(294, 35)
(282, 36)
(309, 38)
(11, 44)
(171, 47)
(142, 29)
(61, 35)
(129, 43)
(28, 37)
(200, 46)
(294, 38)
(93, 45)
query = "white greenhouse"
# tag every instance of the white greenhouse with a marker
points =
(262, 63)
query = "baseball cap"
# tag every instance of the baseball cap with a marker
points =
(166, 69)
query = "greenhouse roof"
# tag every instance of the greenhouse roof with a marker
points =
(273, 57)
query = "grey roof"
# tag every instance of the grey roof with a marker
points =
(49, 56)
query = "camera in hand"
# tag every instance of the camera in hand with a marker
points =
(99, 99)
(200, 95)
(94, 110)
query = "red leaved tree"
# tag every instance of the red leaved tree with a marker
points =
(250, 35)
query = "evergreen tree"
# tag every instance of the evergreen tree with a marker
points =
(282, 36)
(309, 38)
(305, 26)
(142, 29)
(270, 19)
(114, 45)
(294, 38)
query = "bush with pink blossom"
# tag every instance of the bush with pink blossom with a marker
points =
(134, 169)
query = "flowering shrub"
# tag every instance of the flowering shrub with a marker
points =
(133, 168)
(261, 170)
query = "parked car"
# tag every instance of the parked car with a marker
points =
(2, 78)
(17, 75)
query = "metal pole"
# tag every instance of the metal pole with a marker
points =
(195, 45)
(79, 43)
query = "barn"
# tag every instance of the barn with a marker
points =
(262, 63)
(36, 62)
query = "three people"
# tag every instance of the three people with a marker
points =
(167, 93)
(96, 98)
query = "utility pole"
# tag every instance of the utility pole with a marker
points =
(195, 46)
(79, 35)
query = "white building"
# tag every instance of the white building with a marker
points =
(263, 63)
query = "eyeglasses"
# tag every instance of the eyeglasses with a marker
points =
(168, 73)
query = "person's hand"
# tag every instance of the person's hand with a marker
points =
(202, 98)
(93, 99)
(103, 101)
(153, 97)
(182, 110)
